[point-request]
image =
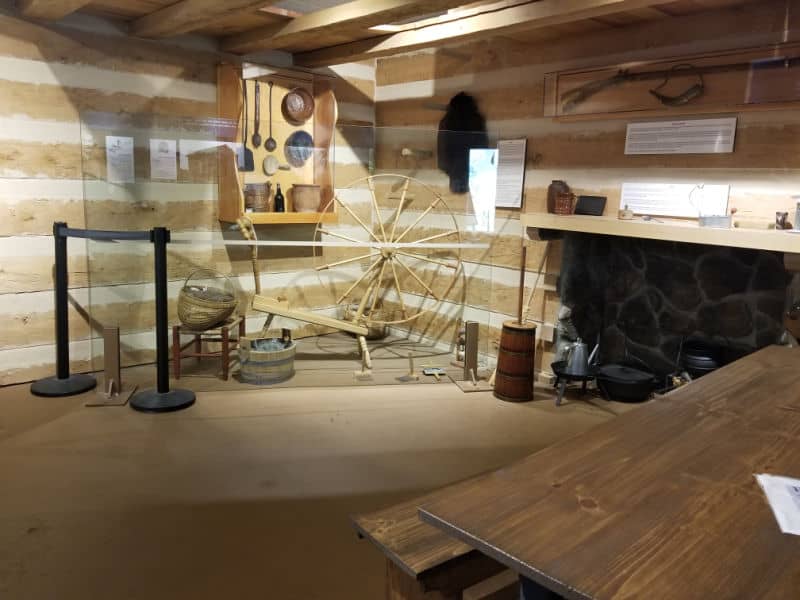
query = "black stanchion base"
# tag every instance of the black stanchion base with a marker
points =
(154, 401)
(53, 387)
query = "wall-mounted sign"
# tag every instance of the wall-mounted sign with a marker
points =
(510, 172)
(119, 159)
(690, 200)
(163, 159)
(697, 136)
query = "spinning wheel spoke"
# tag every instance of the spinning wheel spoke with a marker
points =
(357, 218)
(340, 236)
(419, 218)
(399, 208)
(359, 280)
(435, 236)
(423, 268)
(399, 291)
(377, 289)
(371, 186)
(427, 259)
(362, 305)
(345, 261)
(414, 275)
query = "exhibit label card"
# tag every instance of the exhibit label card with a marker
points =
(697, 136)
(119, 159)
(690, 200)
(510, 172)
(163, 159)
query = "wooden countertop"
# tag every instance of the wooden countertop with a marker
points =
(415, 547)
(669, 230)
(658, 503)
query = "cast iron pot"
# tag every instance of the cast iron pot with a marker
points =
(700, 358)
(625, 383)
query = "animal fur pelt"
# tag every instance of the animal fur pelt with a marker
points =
(462, 128)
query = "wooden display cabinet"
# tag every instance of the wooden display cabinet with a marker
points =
(318, 169)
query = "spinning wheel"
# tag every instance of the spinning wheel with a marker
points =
(405, 252)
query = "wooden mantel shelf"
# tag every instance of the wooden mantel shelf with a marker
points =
(667, 230)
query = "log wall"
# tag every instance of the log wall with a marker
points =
(52, 165)
(506, 76)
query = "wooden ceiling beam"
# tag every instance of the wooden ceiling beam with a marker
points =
(190, 15)
(532, 15)
(50, 10)
(352, 16)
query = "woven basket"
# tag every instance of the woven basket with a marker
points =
(202, 307)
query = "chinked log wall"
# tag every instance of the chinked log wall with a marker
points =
(50, 77)
(507, 76)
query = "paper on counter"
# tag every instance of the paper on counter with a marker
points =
(783, 495)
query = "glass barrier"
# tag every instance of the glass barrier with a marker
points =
(387, 239)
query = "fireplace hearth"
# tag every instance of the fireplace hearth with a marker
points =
(648, 295)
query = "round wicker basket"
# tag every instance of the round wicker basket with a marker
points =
(202, 307)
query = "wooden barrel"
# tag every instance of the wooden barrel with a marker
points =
(262, 367)
(514, 378)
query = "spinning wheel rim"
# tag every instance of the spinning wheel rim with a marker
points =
(385, 260)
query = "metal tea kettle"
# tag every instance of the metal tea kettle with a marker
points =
(578, 359)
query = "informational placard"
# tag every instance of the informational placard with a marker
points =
(163, 159)
(687, 200)
(483, 186)
(697, 136)
(119, 159)
(510, 173)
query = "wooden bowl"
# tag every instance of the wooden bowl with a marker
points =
(305, 197)
(297, 106)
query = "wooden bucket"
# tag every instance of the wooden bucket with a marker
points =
(514, 378)
(263, 367)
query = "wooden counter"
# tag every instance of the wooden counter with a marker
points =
(668, 230)
(658, 503)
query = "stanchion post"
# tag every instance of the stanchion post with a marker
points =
(161, 399)
(61, 308)
(63, 384)
(161, 238)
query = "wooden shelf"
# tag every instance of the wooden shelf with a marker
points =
(319, 171)
(290, 218)
(673, 231)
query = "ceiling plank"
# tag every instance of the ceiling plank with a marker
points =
(50, 10)
(190, 15)
(533, 15)
(356, 15)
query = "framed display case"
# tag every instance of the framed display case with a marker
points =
(255, 98)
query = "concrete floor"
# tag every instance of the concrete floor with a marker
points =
(244, 495)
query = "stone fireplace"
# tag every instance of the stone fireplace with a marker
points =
(648, 295)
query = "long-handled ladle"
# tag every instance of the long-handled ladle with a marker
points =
(270, 144)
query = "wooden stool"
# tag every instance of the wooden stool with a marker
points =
(221, 333)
